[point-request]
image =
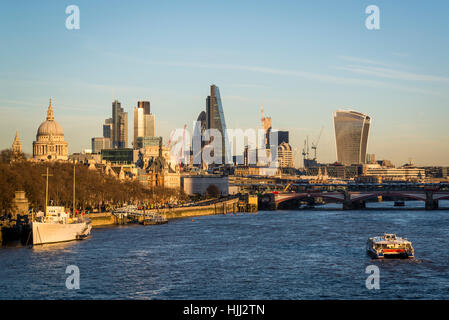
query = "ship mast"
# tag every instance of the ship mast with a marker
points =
(46, 190)
(74, 206)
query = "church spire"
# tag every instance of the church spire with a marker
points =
(50, 112)
(17, 145)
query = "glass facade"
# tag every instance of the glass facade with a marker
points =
(107, 128)
(282, 136)
(100, 143)
(351, 136)
(118, 156)
(145, 105)
(215, 120)
(119, 126)
(142, 142)
(149, 125)
(144, 122)
(138, 125)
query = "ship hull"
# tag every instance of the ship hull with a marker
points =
(398, 254)
(58, 232)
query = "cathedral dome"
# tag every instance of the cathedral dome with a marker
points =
(50, 144)
(50, 126)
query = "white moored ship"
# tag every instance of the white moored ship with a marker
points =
(57, 226)
(389, 246)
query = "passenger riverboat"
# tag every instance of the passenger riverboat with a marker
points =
(389, 246)
(153, 220)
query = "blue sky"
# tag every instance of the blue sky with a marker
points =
(304, 59)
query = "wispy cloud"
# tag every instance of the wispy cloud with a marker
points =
(273, 71)
(338, 80)
(401, 54)
(363, 60)
(391, 73)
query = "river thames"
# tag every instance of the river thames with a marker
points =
(309, 254)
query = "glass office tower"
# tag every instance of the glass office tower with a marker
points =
(215, 120)
(351, 136)
(119, 126)
(144, 121)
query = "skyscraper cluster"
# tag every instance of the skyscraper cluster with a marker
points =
(115, 129)
(214, 118)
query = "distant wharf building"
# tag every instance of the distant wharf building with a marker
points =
(215, 185)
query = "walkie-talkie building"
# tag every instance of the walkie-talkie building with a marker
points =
(351, 136)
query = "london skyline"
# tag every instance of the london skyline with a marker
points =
(397, 75)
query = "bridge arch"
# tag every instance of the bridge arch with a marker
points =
(334, 197)
(397, 194)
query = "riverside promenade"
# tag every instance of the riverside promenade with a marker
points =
(220, 207)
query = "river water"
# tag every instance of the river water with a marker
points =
(313, 254)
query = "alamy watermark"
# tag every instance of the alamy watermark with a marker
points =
(229, 146)
(73, 20)
(372, 22)
(373, 280)
(73, 280)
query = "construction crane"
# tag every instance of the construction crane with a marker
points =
(170, 139)
(305, 149)
(181, 151)
(315, 144)
(180, 156)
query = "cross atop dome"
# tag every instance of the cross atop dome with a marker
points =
(50, 115)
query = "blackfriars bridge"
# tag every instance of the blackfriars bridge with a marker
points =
(355, 196)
